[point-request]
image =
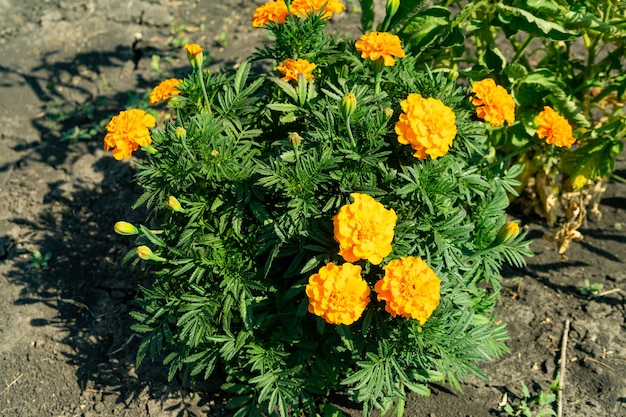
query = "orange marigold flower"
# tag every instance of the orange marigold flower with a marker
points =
(305, 7)
(193, 49)
(291, 68)
(380, 45)
(272, 11)
(164, 90)
(194, 55)
(338, 294)
(493, 103)
(410, 289)
(127, 131)
(364, 229)
(427, 124)
(555, 128)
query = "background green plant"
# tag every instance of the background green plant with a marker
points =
(258, 201)
(565, 54)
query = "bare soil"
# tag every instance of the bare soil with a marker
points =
(65, 344)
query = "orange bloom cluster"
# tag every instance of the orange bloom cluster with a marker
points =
(291, 68)
(164, 90)
(380, 45)
(493, 103)
(364, 229)
(127, 131)
(410, 288)
(272, 11)
(427, 124)
(303, 8)
(554, 128)
(338, 294)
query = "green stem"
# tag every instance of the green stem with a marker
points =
(522, 48)
(350, 132)
(377, 82)
(206, 96)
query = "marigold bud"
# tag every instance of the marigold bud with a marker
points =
(348, 104)
(294, 138)
(388, 112)
(392, 7)
(214, 153)
(125, 229)
(174, 204)
(180, 132)
(149, 149)
(194, 55)
(146, 254)
(506, 233)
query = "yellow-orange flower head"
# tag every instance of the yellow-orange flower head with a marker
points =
(127, 131)
(493, 103)
(303, 8)
(380, 45)
(195, 55)
(364, 229)
(338, 294)
(410, 288)
(272, 11)
(291, 68)
(427, 124)
(554, 128)
(164, 90)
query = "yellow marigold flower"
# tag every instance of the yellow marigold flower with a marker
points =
(303, 8)
(493, 103)
(164, 90)
(291, 68)
(338, 294)
(410, 289)
(364, 229)
(427, 124)
(272, 11)
(554, 128)
(380, 45)
(127, 131)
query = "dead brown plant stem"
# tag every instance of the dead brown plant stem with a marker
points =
(12, 382)
(562, 371)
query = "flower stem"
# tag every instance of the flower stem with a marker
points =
(206, 96)
(377, 82)
(350, 131)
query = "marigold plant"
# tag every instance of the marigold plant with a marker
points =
(275, 209)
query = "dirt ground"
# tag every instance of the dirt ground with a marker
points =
(65, 344)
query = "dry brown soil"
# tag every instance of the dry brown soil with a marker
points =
(65, 344)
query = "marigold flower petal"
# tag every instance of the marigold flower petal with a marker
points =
(127, 131)
(292, 68)
(302, 8)
(272, 11)
(364, 229)
(338, 294)
(164, 90)
(554, 128)
(427, 124)
(493, 103)
(410, 288)
(377, 45)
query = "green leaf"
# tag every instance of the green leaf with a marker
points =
(425, 28)
(515, 20)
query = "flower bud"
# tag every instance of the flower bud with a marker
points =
(388, 112)
(194, 55)
(149, 149)
(174, 204)
(391, 8)
(125, 229)
(180, 132)
(214, 153)
(294, 138)
(348, 104)
(146, 254)
(506, 233)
